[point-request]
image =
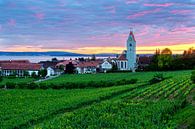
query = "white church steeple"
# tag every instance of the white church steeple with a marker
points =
(131, 52)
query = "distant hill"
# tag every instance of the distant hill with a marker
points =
(40, 54)
(58, 53)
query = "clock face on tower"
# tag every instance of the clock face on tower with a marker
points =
(130, 45)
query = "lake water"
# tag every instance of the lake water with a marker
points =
(36, 59)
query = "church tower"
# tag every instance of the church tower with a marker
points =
(131, 52)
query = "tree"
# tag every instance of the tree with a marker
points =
(165, 59)
(114, 67)
(43, 73)
(54, 60)
(1, 77)
(26, 73)
(93, 57)
(154, 60)
(61, 67)
(34, 75)
(81, 59)
(70, 69)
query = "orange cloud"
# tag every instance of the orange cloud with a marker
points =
(177, 49)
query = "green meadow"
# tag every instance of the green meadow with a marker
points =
(166, 104)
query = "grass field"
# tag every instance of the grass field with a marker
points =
(168, 104)
(110, 77)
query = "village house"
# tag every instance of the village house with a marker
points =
(87, 67)
(105, 66)
(93, 66)
(51, 67)
(18, 67)
(65, 62)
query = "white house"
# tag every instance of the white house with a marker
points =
(105, 66)
(50, 71)
(17, 68)
(87, 67)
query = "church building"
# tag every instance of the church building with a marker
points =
(127, 60)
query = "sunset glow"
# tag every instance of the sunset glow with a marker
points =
(96, 26)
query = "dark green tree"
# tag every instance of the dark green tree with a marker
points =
(1, 77)
(114, 67)
(61, 67)
(43, 73)
(26, 73)
(154, 60)
(70, 69)
(34, 75)
(93, 57)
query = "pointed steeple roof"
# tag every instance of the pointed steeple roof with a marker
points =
(132, 35)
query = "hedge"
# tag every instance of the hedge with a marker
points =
(69, 85)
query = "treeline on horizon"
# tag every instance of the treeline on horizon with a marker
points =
(164, 60)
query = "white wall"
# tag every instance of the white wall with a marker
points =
(50, 71)
(119, 64)
(106, 65)
(131, 53)
(30, 72)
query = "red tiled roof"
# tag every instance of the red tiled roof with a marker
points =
(88, 64)
(20, 66)
(14, 61)
(65, 62)
(122, 57)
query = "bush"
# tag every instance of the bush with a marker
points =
(71, 85)
(32, 85)
(157, 78)
(2, 86)
(193, 76)
(11, 77)
(22, 85)
(1, 78)
(43, 86)
(11, 85)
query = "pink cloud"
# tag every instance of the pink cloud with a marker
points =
(12, 22)
(159, 5)
(185, 30)
(40, 16)
(142, 13)
(144, 31)
(181, 11)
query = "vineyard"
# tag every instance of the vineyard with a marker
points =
(167, 104)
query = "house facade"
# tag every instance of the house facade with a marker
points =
(51, 67)
(19, 69)
(105, 66)
(87, 67)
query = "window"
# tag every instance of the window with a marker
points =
(121, 64)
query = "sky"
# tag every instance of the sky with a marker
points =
(96, 26)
